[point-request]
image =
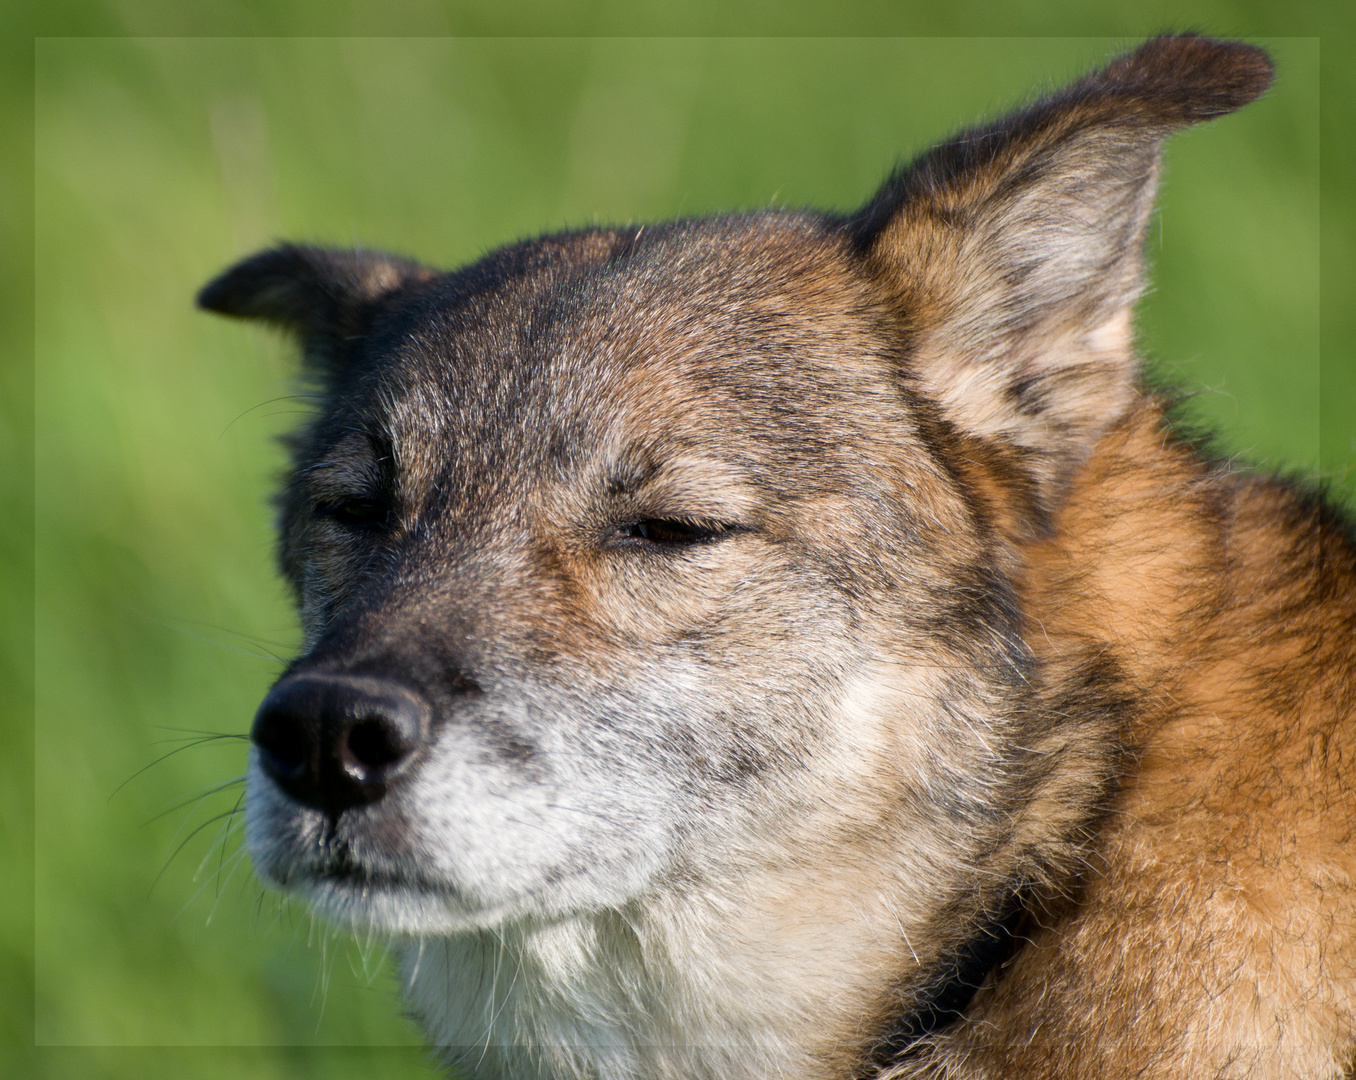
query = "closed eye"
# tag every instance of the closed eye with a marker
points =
(359, 512)
(669, 532)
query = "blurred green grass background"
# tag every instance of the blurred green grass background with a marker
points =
(159, 161)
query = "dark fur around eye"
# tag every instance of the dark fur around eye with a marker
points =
(360, 512)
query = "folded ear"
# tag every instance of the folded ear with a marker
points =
(327, 296)
(1014, 251)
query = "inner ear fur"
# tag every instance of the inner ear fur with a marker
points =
(1013, 252)
(325, 295)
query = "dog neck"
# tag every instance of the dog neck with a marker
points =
(690, 989)
(598, 997)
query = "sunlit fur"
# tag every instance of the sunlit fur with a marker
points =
(962, 643)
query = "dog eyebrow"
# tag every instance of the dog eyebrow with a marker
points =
(685, 484)
(351, 462)
(629, 476)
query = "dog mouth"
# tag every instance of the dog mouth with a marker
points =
(341, 867)
(391, 900)
(334, 863)
(363, 877)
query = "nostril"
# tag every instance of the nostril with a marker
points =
(374, 742)
(285, 740)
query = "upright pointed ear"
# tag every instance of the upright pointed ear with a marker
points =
(1014, 252)
(327, 296)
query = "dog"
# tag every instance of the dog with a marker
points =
(790, 644)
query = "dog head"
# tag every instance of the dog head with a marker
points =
(635, 559)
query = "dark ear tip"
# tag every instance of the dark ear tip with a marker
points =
(303, 286)
(1186, 77)
(216, 295)
(252, 287)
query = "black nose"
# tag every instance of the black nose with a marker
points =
(334, 741)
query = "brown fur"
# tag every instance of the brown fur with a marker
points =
(757, 632)
(1218, 936)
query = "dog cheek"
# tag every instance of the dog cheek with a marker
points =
(586, 820)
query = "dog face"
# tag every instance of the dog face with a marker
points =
(602, 547)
